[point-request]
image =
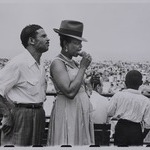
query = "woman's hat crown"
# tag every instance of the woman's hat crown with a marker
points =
(71, 28)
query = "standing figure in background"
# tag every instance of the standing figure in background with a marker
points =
(70, 122)
(132, 109)
(99, 102)
(23, 91)
(99, 114)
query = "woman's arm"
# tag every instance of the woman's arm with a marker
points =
(62, 80)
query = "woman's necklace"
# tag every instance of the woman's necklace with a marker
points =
(70, 61)
(66, 58)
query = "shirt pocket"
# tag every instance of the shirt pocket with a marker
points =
(32, 87)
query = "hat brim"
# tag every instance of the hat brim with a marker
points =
(76, 37)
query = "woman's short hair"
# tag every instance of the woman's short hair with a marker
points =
(64, 38)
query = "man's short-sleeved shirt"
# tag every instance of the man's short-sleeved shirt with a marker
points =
(22, 80)
(130, 104)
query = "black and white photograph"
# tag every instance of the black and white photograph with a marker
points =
(75, 74)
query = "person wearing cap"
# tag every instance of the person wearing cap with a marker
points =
(132, 109)
(70, 122)
(23, 91)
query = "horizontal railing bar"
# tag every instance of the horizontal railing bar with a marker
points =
(106, 95)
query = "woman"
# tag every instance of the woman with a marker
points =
(70, 122)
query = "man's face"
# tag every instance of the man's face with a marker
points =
(41, 41)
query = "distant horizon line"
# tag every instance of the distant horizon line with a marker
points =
(94, 61)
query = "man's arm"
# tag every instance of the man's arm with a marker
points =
(145, 132)
(7, 117)
(4, 109)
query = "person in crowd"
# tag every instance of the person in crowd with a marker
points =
(23, 91)
(70, 122)
(99, 102)
(132, 109)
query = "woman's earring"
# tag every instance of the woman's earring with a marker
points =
(66, 50)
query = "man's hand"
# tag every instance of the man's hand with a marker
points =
(7, 124)
(6, 129)
(145, 133)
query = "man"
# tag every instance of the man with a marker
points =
(23, 91)
(99, 114)
(99, 102)
(132, 109)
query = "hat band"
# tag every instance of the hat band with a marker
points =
(71, 32)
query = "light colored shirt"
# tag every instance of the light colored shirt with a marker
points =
(22, 80)
(130, 104)
(100, 106)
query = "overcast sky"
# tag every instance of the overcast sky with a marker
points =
(115, 30)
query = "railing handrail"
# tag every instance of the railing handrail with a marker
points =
(104, 94)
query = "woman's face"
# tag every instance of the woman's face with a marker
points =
(74, 47)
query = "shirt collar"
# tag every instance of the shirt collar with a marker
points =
(30, 60)
(132, 91)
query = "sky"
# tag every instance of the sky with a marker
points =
(115, 29)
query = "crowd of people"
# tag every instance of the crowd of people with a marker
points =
(79, 86)
(112, 74)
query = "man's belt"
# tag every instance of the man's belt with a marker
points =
(125, 121)
(29, 105)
